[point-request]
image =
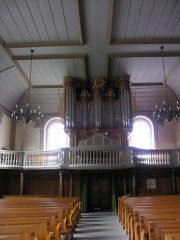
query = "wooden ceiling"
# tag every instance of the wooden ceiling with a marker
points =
(86, 39)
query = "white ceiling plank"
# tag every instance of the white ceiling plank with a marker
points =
(48, 19)
(27, 12)
(58, 16)
(71, 19)
(80, 68)
(141, 69)
(165, 17)
(11, 25)
(56, 70)
(7, 36)
(63, 67)
(47, 73)
(133, 16)
(145, 17)
(123, 67)
(37, 22)
(17, 16)
(172, 29)
(71, 67)
(114, 66)
(22, 21)
(120, 18)
(130, 66)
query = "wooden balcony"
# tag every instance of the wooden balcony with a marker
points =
(106, 157)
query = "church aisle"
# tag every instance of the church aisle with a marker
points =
(99, 226)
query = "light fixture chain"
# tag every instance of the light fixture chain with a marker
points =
(164, 72)
(27, 115)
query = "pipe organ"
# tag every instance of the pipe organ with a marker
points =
(98, 109)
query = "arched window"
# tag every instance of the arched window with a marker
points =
(142, 135)
(55, 136)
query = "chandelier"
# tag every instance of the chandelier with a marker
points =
(166, 113)
(27, 115)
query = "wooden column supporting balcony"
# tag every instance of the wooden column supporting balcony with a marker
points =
(21, 183)
(70, 184)
(124, 185)
(173, 180)
(61, 190)
(134, 182)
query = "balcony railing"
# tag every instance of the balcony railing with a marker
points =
(88, 158)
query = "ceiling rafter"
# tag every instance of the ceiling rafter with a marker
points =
(42, 44)
(48, 86)
(48, 56)
(146, 84)
(80, 18)
(8, 51)
(144, 54)
(145, 41)
(109, 20)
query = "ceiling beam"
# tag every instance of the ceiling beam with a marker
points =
(145, 41)
(146, 84)
(79, 12)
(144, 54)
(48, 56)
(48, 86)
(109, 20)
(42, 44)
(8, 51)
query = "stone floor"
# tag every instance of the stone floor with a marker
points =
(99, 226)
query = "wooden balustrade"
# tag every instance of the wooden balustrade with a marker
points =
(109, 156)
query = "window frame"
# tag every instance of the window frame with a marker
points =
(149, 123)
(47, 126)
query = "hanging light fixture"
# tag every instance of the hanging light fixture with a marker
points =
(166, 113)
(28, 116)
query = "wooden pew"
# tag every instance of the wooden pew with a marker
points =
(172, 236)
(156, 226)
(16, 232)
(160, 233)
(134, 221)
(129, 210)
(40, 222)
(52, 227)
(140, 227)
(71, 205)
(64, 220)
(132, 211)
(125, 202)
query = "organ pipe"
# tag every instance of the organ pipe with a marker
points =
(125, 103)
(69, 102)
(98, 108)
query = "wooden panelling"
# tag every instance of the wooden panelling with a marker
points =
(99, 183)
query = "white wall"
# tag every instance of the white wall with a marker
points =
(5, 128)
(27, 138)
(177, 134)
(166, 136)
